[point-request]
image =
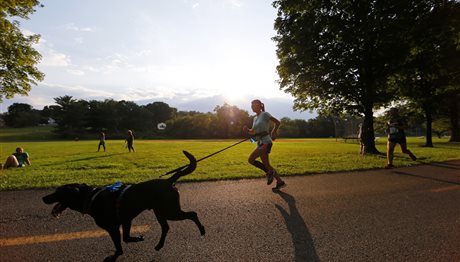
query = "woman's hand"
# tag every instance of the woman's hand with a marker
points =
(273, 135)
(248, 131)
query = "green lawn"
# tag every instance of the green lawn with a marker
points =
(59, 162)
(38, 133)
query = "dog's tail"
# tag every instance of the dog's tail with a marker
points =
(187, 170)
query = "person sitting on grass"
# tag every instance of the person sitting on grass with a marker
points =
(18, 159)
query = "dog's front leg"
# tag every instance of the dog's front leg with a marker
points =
(127, 233)
(116, 238)
(164, 231)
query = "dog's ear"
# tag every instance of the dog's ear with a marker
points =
(73, 188)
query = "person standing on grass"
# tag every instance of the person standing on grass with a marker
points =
(260, 131)
(101, 141)
(17, 159)
(360, 139)
(396, 135)
(130, 141)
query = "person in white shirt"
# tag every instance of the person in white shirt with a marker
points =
(260, 131)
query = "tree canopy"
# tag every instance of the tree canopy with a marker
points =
(85, 119)
(18, 59)
(337, 56)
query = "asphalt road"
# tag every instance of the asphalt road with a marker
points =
(404, 214)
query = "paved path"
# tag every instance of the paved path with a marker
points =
(404, 214)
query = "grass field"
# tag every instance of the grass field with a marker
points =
(59, 162)
(39, 133)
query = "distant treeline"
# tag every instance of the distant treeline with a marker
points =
(83, 119)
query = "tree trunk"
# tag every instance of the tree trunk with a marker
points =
(368, 132)
(429, 131)
(454, 122)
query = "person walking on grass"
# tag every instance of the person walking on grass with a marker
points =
(130, 141)
(101, 141)
(260, 131)
(396, 135)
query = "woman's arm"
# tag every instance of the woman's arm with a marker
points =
(27, 159)
(275, 129)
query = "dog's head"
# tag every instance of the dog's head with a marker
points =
(73, 196)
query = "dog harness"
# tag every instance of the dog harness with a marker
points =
(97, 191)
(118, 203)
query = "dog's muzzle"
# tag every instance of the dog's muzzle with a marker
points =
(57, 209)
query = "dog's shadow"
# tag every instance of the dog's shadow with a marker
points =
(301, 237)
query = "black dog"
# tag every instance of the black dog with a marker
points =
(112, 209)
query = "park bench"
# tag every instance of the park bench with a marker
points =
(353, 139)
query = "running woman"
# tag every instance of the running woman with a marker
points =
(260, 131)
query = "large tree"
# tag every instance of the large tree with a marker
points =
(335, 56)
(22, 115)
(70, 116)
(427, 77)
(18, 59)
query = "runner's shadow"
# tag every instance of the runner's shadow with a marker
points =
(301, 237)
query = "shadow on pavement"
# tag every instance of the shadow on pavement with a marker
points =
(424, 177)
(301, 237)
(446, 165)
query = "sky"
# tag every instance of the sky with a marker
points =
(191, 54)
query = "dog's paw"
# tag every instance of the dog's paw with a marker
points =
(133, 239)
(158, 247)
(202, 231)
(113, 257)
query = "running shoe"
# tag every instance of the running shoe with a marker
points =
(270, 176)
(279, 185)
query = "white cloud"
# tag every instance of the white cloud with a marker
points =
(75, 72)
(73, 27)
(51, 57)
(195, 5)
(79, 39)
(235, 3)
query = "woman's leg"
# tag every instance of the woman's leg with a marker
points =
(11, 161)
(266, 160)
(254, 155)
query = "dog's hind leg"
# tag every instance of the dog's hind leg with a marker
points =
(127, 233)
(189, 215)
(164, 231)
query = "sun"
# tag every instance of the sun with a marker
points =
(235, 96)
